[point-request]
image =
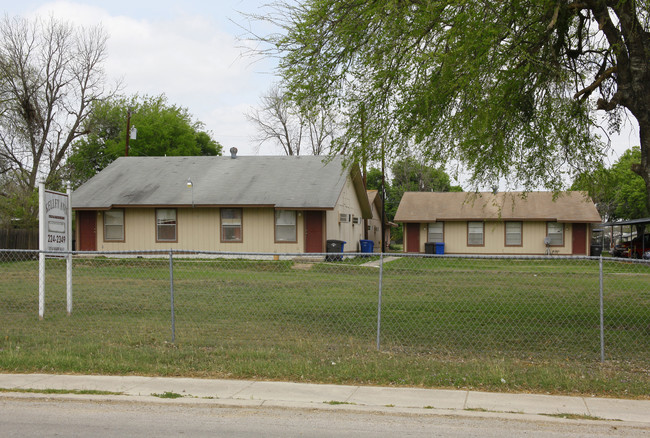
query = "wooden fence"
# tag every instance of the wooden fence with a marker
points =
(18, 239)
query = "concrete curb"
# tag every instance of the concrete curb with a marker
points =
(256, 394)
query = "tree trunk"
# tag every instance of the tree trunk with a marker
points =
(644, 169)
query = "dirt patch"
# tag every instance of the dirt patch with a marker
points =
(302, 266)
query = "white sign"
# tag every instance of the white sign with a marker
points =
(56, 221)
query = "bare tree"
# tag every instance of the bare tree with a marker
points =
(279, 122)
(50, 74)
(321, 131)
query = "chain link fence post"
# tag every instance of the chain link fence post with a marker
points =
(171, 292)
(602, 313)
(381, 277)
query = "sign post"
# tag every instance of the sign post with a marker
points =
(55, 219)
(69, 249)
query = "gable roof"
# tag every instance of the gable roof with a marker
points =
(307, 182)
(373, 197)
(520, 206)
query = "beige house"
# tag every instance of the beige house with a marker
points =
(374, 224)
(513, 223)
(236, 204)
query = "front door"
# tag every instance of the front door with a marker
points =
(313, 231)
(87, 223)
(579, 239)
(412, 237)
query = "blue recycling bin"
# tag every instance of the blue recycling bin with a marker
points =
(440, 248)
(367, 246)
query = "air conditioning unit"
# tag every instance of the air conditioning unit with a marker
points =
(344, 218)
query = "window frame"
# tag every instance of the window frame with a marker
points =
(295, 226)
(158, 225)
(521, 234)
(482, 233)
(223, 226)
(114, 210)
(561, 226)
(442, 232)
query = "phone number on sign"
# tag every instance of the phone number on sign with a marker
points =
(53, 238)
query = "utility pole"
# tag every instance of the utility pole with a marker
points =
(383, 199)
(364, 148)
(128, 131)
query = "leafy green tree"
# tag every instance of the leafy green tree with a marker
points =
(373, 179)
(162, 129)
(509, 88)
(600, 184)
(631, 193)
(18, 204)
(619, 193)
(408, 175)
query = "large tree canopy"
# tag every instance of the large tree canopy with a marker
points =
(162, 129)
(508, 88)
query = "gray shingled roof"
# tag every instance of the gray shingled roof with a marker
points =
(278, 181)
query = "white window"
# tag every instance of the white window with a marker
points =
(513, 233)
(555, 233)
(474, 233)
(436, 232)
(166, 225)
(285, 226)
(114, 225)
(231, 225)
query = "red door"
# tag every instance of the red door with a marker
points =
(313, 231)
(412, 237)
(579, 239)
(87, 223)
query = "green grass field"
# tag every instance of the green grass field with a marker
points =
(445, 322)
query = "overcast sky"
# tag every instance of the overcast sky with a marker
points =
(189, 51)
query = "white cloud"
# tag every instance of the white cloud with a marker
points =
(187, 57)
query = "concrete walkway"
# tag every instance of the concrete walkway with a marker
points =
(247, 393)
(376, 263)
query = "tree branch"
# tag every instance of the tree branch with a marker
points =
(585, 92)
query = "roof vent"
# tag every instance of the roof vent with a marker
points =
(233, 152)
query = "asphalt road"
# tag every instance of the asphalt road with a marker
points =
(42, 417)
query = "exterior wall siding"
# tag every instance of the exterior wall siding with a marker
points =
(374, 233)
(533, 234)
(348, 203)
(199, 229)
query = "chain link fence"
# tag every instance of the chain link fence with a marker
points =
(541, 308)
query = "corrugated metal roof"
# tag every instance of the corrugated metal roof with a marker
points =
(531, 206)
(642, 221)
(279, 181)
